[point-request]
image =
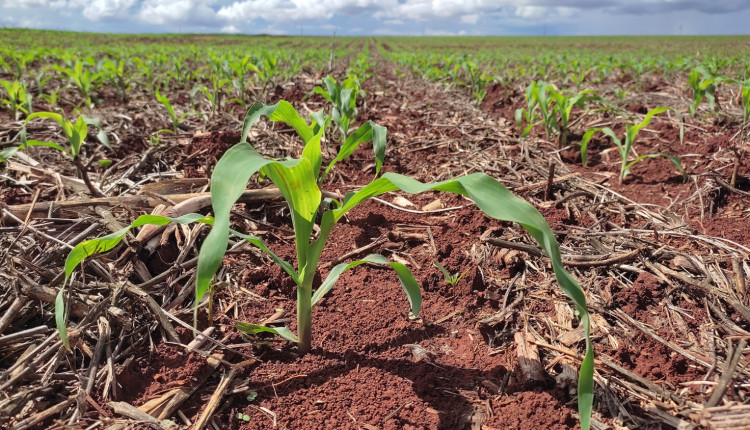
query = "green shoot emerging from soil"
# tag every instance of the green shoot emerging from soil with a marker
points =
(176, 120)
(75, 133)
(451, 279)
(344, 100)
(625, 148)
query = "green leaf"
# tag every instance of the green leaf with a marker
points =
(281, 111)
(105, 243)
(634, 129)
(8, 152)
(61, 318)
(258, 242)
(230, 176)
(408, 283)
(497, 202)
(676, 161)
(254, 329)
(585, 144)
(367, 131)
(446, 274)
(32, 142)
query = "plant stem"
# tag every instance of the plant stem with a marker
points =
(86, 180)
(304, 318)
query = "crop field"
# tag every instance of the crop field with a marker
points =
(258, 232)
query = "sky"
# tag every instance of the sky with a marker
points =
(384, 17)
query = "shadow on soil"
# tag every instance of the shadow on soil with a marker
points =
(459, 394)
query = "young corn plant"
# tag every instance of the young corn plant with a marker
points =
(17, 61)
(538, 96)
(299, 181)
(82, 78)
(117, 76)
(703, 85)
(19, 99)
(75, 133)
(478, 80)
(213, 94)
(176, 120)
(625, 148)
(240, 67)
(451, 279)
(344, 99)
(529, 114)
(564, 104)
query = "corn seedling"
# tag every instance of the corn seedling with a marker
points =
(213, 93)
(19, 99)
(75, 134)
(478, 80)
(703, 82)
(344, 99)
(744, 90)
(240, 67)
(564, 104)
(299, 182)
(176, 120)
(451, 279)
(529, 113)
(16, 62)
(116, 74)
(625, 148)
(82, 78)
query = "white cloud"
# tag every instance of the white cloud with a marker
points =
(295, 10)
(408, 16)
(230, 29)
(107, 9)
(193, 12)
(531, 12)
(470, 19)
(25, 3)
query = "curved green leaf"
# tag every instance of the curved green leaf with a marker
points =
(61, 318)
(676, 161)
(585, 145)
(367, 131)
(32, 142)
(255, 328)
(633, 130)
(497, 202)
(231, 174)
(103, 244)
(281, 111)
(408, 283)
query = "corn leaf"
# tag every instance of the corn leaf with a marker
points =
(408, 283)
(229, 179)
(255, 328)
(497, 202)
(367, 131)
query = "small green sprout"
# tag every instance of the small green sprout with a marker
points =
(75, 133)
(451, 279)
(626, 148)
(344, 99)
(82, 78)
(252, 396)
(243, 417)
(19, 99)
(176, 120)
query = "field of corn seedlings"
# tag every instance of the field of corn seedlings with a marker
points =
(241, 232)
